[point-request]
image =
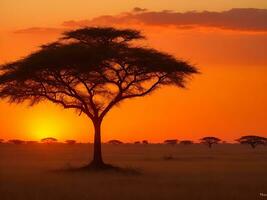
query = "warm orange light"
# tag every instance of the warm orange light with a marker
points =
(227, 99)
(45, 124)
(43, 128)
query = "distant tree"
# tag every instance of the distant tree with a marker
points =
(1, 141)
(172, 141)
(115, 142)
(186, 142)
(31, 142)
(70, 141)
(210, 141)
(252, 140)
(92, 70)
(16, 141)
(137, 142)
(49, 140)
(145, 142)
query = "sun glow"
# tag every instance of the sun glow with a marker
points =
(45, 124)
(45, 127)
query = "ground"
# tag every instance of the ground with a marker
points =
(225, 172)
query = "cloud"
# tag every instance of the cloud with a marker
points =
(137, 9)
(33, 30)
(242, 19)
(237, 19)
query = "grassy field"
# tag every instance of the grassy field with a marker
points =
(225, 172)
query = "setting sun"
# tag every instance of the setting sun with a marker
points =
(43, 124)
(44, 127)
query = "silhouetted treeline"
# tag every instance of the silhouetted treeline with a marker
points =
(210, 141)
(49, 140)
(16, 141)
(70, 142)
(115, 142)
(171, 141)
(186, 142)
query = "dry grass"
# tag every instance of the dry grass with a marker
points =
(225, 172)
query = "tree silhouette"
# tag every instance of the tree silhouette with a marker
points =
(186, 142)
(70, 141)
(91, 70)
(252, 140)
(115, 142)
(49, 140)
(172, 141)
(210, 141)
(144, 142)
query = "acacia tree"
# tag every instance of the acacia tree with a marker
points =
(49, 140)
(70, 142)
(171, 141)
(91, 70)
(210, 141)
(252, 140)
(186, 142)
(115, 142)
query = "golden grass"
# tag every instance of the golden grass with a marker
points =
(226, 172)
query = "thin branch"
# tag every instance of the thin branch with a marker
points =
(146, 92)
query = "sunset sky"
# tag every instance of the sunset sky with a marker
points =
(225, 39)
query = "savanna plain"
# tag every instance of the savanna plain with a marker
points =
(224, 172)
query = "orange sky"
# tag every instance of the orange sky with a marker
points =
(227, 100)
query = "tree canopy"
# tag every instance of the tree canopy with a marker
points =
(49, 140)
(186, 142)
(252, 140)
(70, 141)
(90, 70)
(170, 141)
(210, 140)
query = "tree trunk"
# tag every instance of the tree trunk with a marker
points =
(97, 157)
